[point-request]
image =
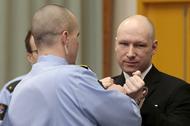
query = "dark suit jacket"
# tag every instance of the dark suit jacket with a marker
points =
(167, 102)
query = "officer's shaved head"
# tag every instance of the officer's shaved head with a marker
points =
(49, 21)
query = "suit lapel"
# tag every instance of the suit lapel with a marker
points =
(151, 80)
(120, 79)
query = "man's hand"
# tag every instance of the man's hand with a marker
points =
(135, 88)
(134, 83)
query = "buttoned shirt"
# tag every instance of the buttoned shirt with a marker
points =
(55, 93)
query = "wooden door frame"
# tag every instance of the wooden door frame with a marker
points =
(141, 5)
(107, 36)
(141, 9)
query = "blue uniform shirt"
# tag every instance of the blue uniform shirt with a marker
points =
(5, 96)
(55, 93)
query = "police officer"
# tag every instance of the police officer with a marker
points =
(58, 93)
(6, 92)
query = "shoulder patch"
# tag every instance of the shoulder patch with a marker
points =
(12, 86)
(85, 66)
(3, 110)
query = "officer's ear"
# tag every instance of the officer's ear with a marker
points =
(64, 37)
(30, 58)
(65, 40)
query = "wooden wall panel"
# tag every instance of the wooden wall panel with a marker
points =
(107, 36)
(171, 19)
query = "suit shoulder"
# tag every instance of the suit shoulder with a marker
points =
(172, 78)
(173, 81)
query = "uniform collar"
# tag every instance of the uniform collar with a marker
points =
(52, 59)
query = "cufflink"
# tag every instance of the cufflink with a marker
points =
(156, 106)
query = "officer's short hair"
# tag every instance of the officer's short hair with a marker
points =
(49, 22)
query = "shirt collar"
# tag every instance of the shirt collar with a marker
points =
(52, 59)
(142, 75)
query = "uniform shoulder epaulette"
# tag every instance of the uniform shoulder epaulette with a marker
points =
(3, 110)
(12, 86)
(85, 66)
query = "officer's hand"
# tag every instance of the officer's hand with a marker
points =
(117, 87)
(107, 82)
